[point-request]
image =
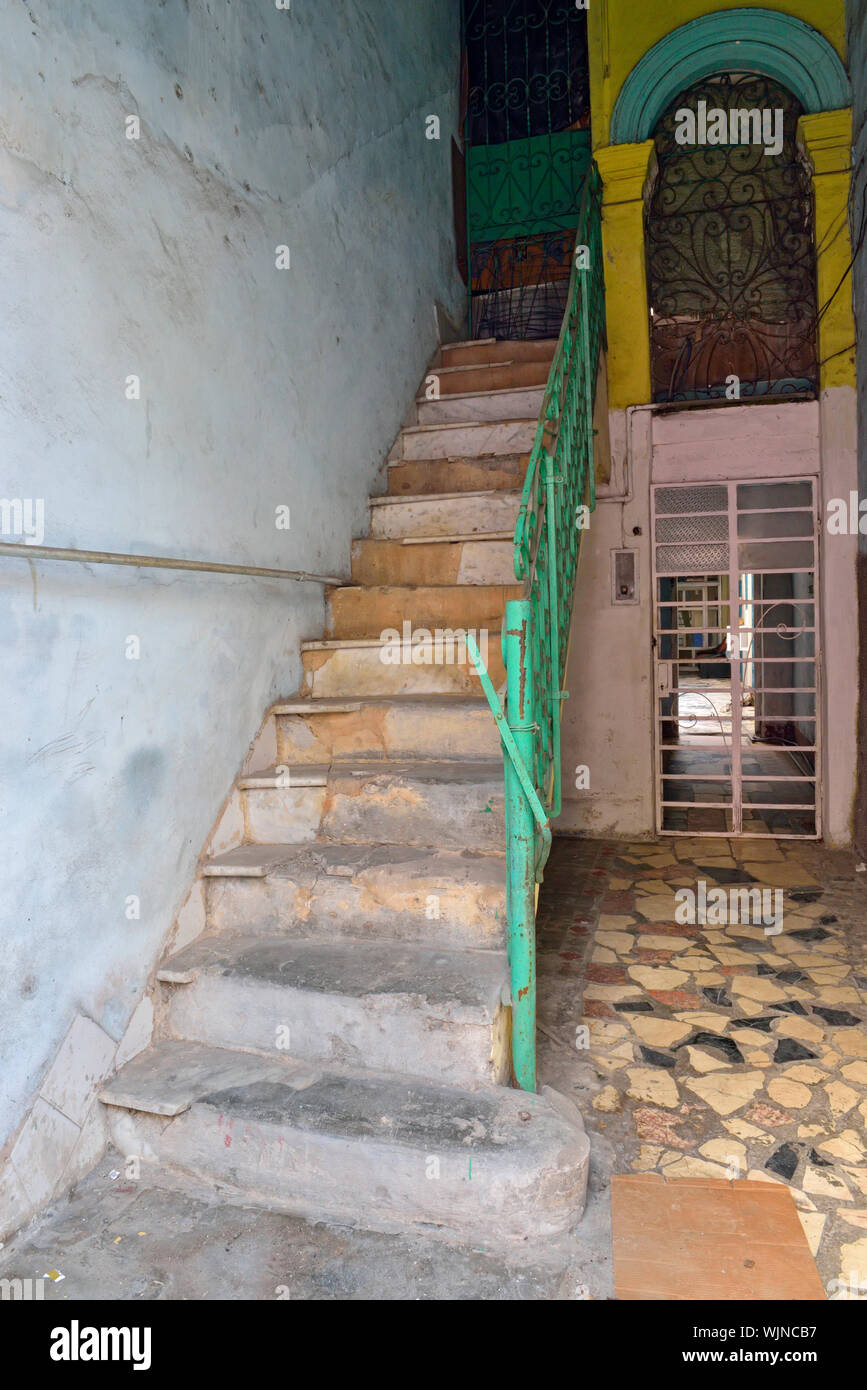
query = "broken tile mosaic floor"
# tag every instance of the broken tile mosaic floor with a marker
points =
(717, 1048)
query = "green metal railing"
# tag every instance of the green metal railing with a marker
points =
(559, 484)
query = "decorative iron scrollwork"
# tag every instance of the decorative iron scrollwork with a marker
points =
(528, 67)
(527, 156)
(730, 254)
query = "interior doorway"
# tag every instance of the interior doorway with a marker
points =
(526, 120)
(737, 659)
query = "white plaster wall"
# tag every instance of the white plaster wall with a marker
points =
(839, 592)
(607, 718)
(856, 37)
(259, 388)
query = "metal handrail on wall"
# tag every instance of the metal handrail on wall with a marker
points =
(22, 550)
(559, 482)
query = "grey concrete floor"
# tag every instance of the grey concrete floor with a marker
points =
(112, 1239)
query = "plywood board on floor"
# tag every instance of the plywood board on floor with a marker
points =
(696, 1238)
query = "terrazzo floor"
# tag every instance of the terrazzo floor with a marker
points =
(720, 1049)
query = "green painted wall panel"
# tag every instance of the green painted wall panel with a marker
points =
(525, 187)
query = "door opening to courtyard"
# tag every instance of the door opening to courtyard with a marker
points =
(737, 659)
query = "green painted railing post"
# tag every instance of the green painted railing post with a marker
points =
(521, 833)
(535, 634)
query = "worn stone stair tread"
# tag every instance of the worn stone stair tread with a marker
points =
(172, 1075)
(458, 770)
(454, 539)
(341, 860)
(478, 403)
(452, 805)
(486, 376)
(401, 499)
(351, 666)
(475, 366)
(355, 1145)
(520, 350)
(469, 424)
(334, 704)
(471, 396)
(368, 610)
(450, 557)
(327, 644)
(168, 1077)
(474, 514)
(383, 590)
(483, 461)
(300, 775)
(474, 342)
(466, 438)
(413, 1111)
(248, 861)
(360, 891)
(453, 984)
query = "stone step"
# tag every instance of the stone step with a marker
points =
(488, 350)
(412, 666)
(447, 475)
(448, 805)
(357, 1148)
(458, 805)
(441, 560)
(485, 512)
(389, 1005)
(372, 610)
(465, 440)
(447, 897)
(502, 375)
(516, 403)
(171, 1076)
(422, 726)
(284, 805)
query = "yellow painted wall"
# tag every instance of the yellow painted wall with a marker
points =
(621, 31)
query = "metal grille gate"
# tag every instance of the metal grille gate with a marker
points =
(736, 658)
(731, 264)
(527, 149)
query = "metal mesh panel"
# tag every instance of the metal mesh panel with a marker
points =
(692, 559)
(680, 500)
(692, 528)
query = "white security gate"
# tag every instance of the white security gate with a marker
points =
(736, 658)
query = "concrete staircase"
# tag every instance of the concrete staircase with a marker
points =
(337, 1042)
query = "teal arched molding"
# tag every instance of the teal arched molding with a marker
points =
(748, 40)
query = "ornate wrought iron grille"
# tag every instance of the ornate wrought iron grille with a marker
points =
(730, 254)
(527, 68)
(527, 154)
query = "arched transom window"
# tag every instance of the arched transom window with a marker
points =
(729, 242)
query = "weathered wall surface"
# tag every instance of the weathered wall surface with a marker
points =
(856, 13)
(607, 720)
(259, 388)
